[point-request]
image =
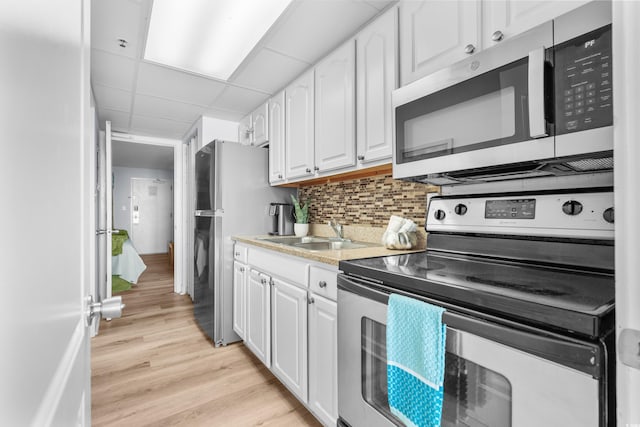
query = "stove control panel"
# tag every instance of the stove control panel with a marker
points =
(588, 215)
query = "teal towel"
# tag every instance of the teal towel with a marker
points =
(415, 361)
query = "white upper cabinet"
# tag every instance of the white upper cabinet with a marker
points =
(299, 123)
(335, 110)
(260, 125)
(377, 53)
(244, 130)
(435, 34)
(505, 18)
(276, 139)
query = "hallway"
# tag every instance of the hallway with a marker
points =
(155, 367)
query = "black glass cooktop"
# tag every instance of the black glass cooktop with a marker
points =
(571, 300)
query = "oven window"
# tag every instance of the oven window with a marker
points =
(486, 111)
(474, 396)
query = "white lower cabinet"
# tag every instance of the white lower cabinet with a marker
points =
(323, 359)
(240, 274)
(289, 336)
(291, 323)
(258, 332)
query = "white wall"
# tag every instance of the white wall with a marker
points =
(122, 191)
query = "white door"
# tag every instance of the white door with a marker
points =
(260, 124)
(289, 336)
(276, 138)
(377, 54)
(335, 110)
(435, 34)
(47, 166)
(258, 332)
(299, 127)
(151, 215)
(323, 359)
(239, 298)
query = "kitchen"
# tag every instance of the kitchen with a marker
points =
(624, 130)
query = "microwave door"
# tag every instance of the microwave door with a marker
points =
(466, 118)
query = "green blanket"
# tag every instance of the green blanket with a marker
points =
(117, 240)
(118, 284)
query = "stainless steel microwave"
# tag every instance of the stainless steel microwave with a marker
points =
(538, 104)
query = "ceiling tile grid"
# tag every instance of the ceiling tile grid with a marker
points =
(139, 96)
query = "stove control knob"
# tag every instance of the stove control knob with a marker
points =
(608, 215)
(572, 207)
(439, 214)
(460, 209)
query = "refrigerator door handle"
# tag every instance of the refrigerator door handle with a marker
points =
(218, 282)
(217, 164)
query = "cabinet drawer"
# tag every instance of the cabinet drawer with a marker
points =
(240, 253)
(324, 282)
(292, 269)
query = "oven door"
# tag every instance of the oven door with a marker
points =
(487, 110)
(487, 383)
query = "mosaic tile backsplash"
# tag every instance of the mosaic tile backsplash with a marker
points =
(367, 201)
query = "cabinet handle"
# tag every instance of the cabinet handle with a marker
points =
(316, 168)
(469, 49)
(237, 253)
(361, 157)
(310, 300)
(308, 170)
(241, 269)
(263, 281)
(322, 284)
(280, 176)
(497, 36)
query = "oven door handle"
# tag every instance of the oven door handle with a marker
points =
(580, 355)
(537, 122)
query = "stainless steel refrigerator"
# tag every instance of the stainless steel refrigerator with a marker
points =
(232, 198)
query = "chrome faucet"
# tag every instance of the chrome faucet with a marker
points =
(337, 228)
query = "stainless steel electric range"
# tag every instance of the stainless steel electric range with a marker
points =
(528, 284)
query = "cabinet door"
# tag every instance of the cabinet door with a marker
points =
(435, 34)
(244, 130)
(376, 79)
(258, 326)
(335, 110)
(289, 320)
(276, 138)
(239, 298)
(299, 127)
(502, 19)
(323, 359)
(260, 124)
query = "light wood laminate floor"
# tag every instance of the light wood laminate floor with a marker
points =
(154, 366)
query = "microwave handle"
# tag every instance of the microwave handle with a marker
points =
(537, 124)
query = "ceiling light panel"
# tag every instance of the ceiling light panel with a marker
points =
(208, 37)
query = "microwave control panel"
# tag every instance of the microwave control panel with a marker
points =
(584, 94)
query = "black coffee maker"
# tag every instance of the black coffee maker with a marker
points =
(282, 219)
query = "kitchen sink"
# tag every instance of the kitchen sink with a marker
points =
(311, 243)
(291, 241)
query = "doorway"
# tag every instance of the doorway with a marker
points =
(151, 215)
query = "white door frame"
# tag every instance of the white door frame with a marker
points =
(626, 133)
(178, 233)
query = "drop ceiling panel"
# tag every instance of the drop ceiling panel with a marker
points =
(176, 85)
(116, 19)
(223, 114)
(119, 120)
(112, 70)
(270, 71)
(316, 27)
(113, 99)
(239, 99)
(379, 4)
(157, 126)
(151, 106)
